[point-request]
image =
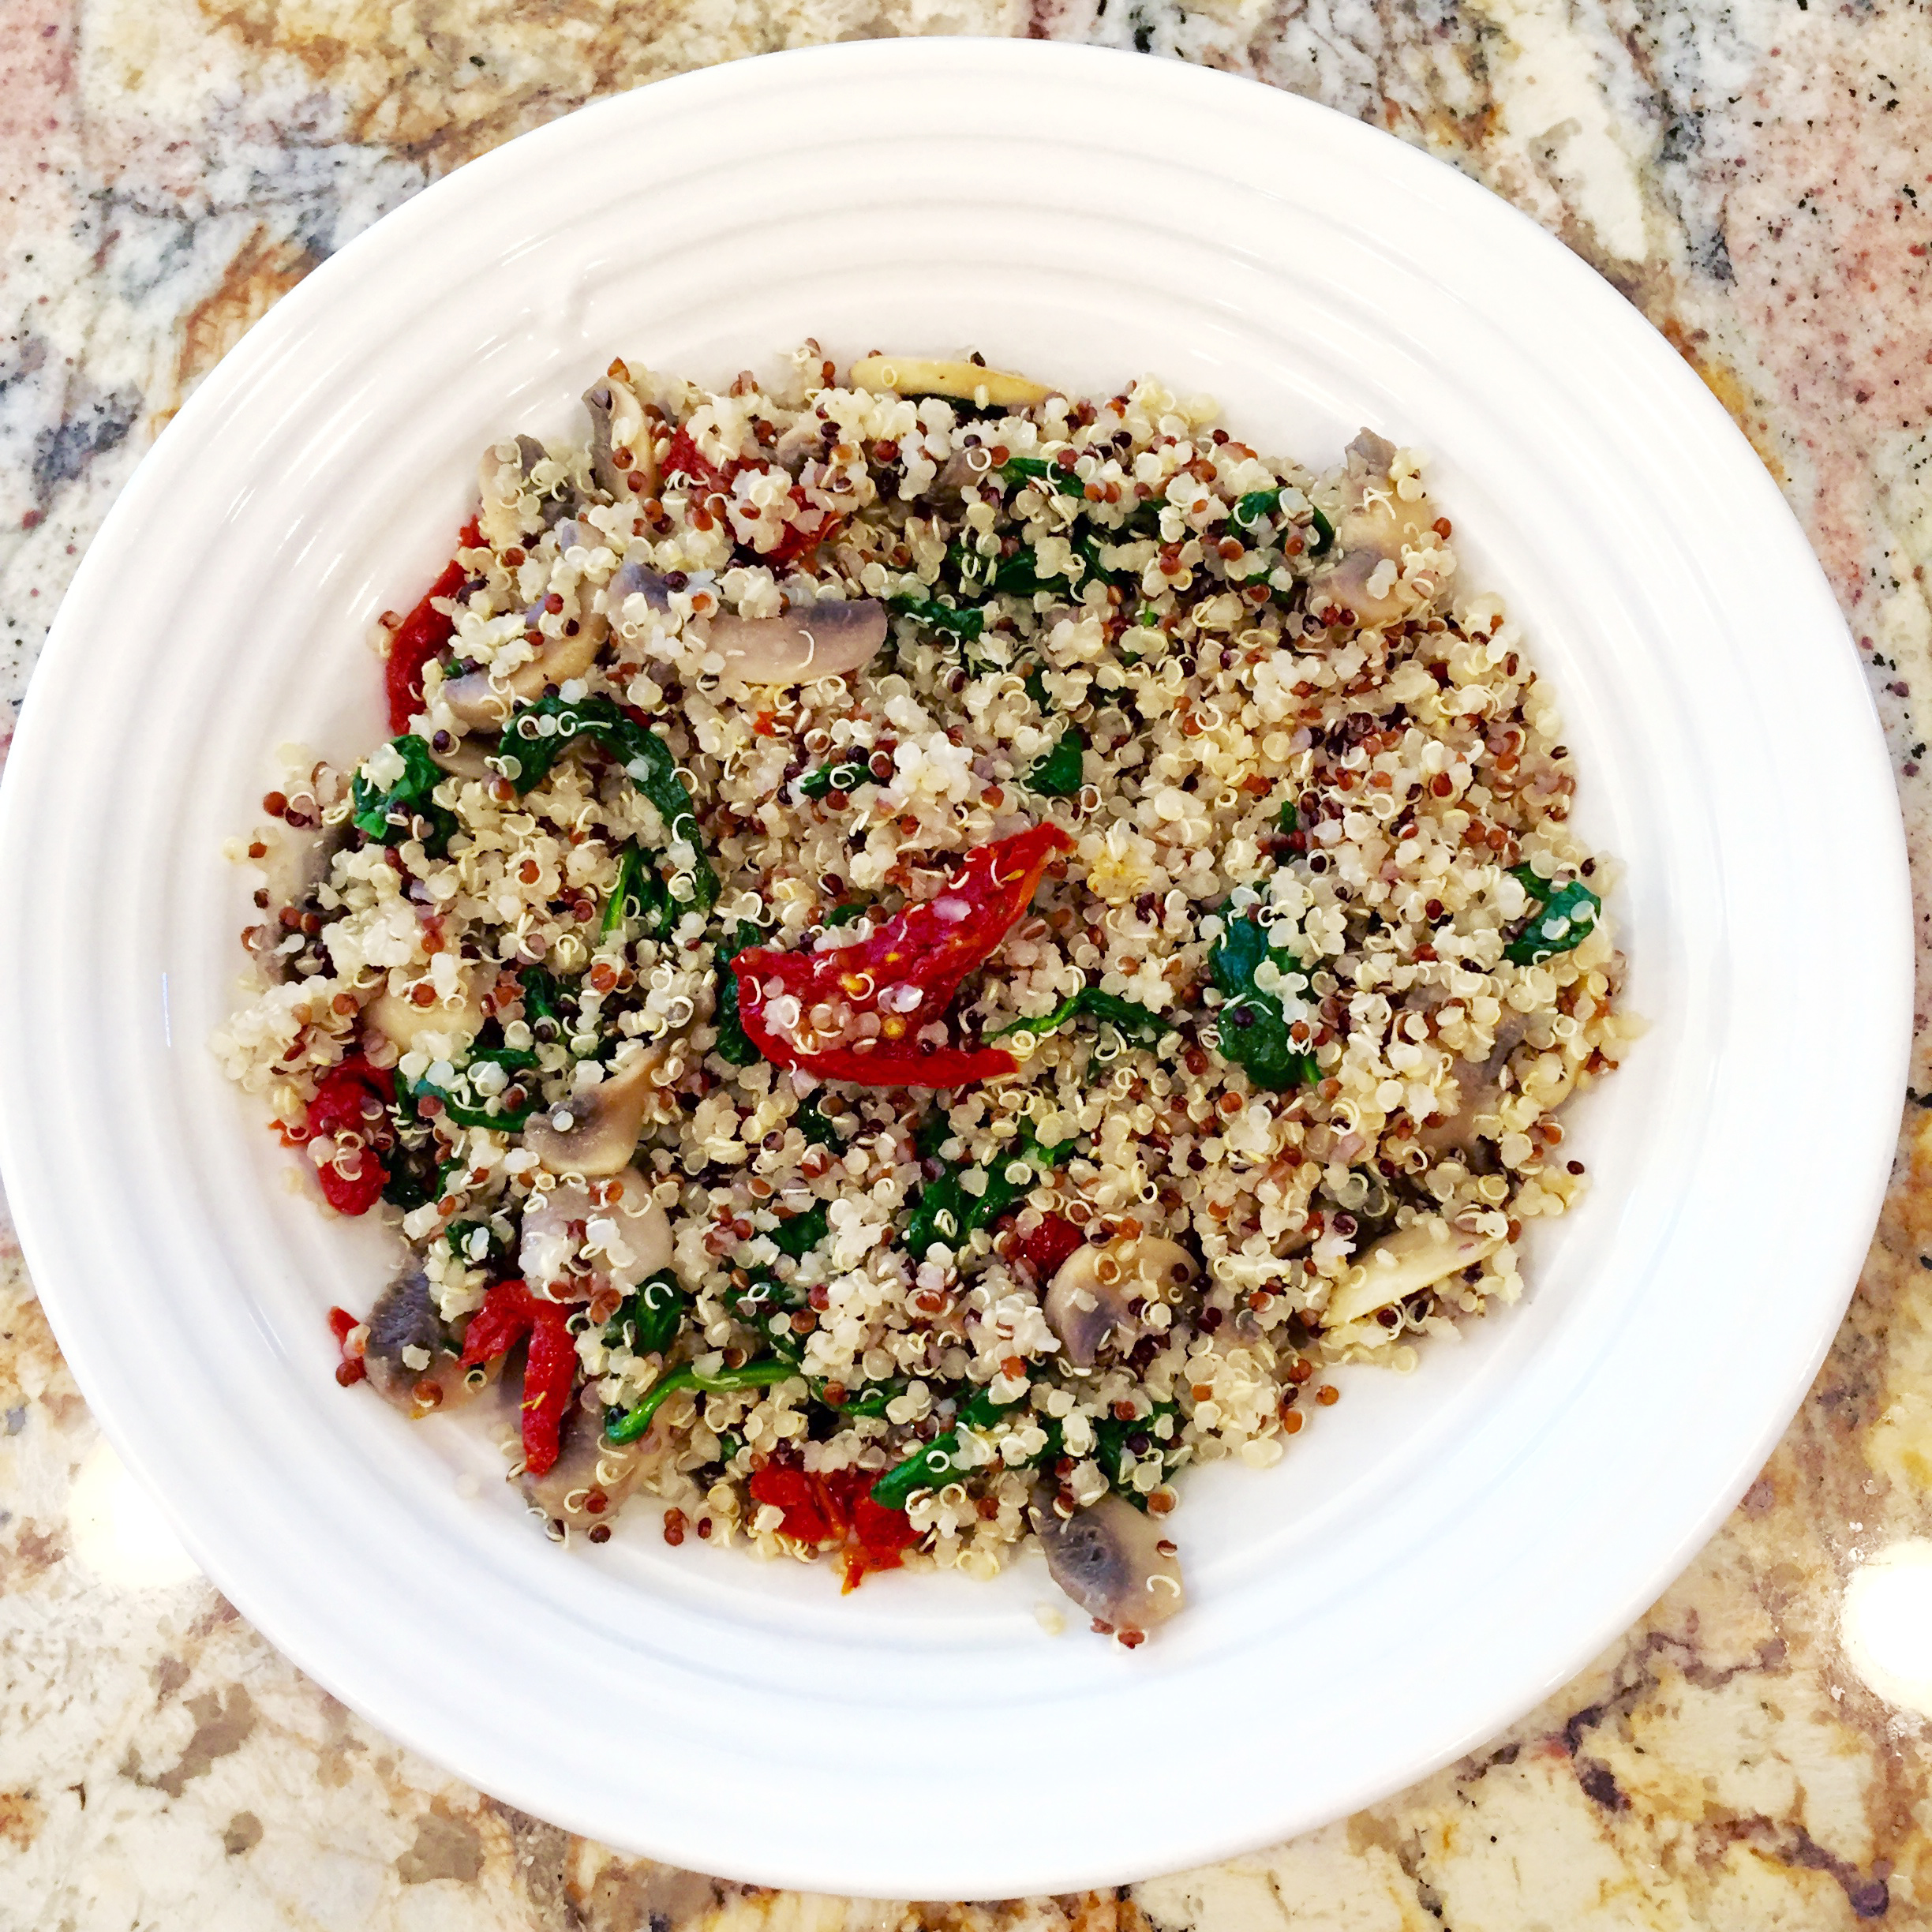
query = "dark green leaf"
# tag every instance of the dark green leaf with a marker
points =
(958, 620)
(527, 753)
(1058, 773)
(1252, 1027)
(387, 815)
(1562, 919)
(626, 1426)
(733, 1044)
(463, 1104)
(843, 774)
(799, 1236)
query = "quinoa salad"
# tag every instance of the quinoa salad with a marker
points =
(923, 955)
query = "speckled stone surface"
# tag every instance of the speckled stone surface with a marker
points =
(1756, 176)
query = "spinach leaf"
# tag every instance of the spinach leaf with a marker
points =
(1111, 1444)
(732, 1042)
(639, 893)
(627, 1426)
(527, 751)
(1034, 468)
(947, 1212)
(491, 1252)
(1253, 1027)
(842, 774)
(1562, 918)
(799, 1236)
(468, 1106)
(845, 913)
(958, 620)
(387, 815)
(1058, 773)
(650, 1318)
(819, 1131)
(1137, 1022)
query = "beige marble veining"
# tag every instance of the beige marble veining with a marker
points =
(1756, 176)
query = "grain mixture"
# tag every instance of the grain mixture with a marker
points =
(925, 953)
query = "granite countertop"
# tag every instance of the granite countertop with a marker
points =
(1754, 175)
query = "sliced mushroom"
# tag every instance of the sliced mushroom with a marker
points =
(1481, 1089)
(921, 376)
(294, 865)
(1377, 527)
(828, 639)
(407, 1347)
(463, 758)
(1109, 1559)
(567, 1235)
(593, 1132)
(1404, 1264)
(503, 479)
(587, 1469)
(1084, 1310)
(407, 1025)
(617, 423)
(483, 701)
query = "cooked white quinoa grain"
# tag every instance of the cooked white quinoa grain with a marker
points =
(1334, 957)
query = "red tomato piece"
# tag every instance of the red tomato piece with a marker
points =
(836, 1510)
(352, 1179)
(503, 1320)
(549, 1376)
(1050, 1244)
(682, 458)
(423, 635)
(905, 975)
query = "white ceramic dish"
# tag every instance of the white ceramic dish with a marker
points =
(1437, 1554)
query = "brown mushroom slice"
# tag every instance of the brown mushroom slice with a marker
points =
(407, 1025)
(593, 1132)
(407, 1347)
(294, 865)
(1083, 1310)
(1404, 1262)
(556, 1235)
(1375, 527)
(828, 639)
(482, 701)
(1110, 1558)
(617, 423)
(502, 480)
(1481, 1089)
(587, 1469)
(968, 381)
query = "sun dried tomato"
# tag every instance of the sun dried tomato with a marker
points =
(1050, 1243)
(509, 1313)
(836, 1509)
(499, 1324)
(904, 976)
(422, 635)
(341, 1106)
(682, 458)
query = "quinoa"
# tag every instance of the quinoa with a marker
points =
(714, 713)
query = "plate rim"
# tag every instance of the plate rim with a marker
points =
(291, 317)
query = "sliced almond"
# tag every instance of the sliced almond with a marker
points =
(920, 375)
(1404, 1264)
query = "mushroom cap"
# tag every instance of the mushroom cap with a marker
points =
(1083, 1310)
(828, 639)
(604, 1122)
(625, 1239)
(407, 1025)
(1107, 1557)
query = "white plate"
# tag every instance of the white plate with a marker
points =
(1436, 1554)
